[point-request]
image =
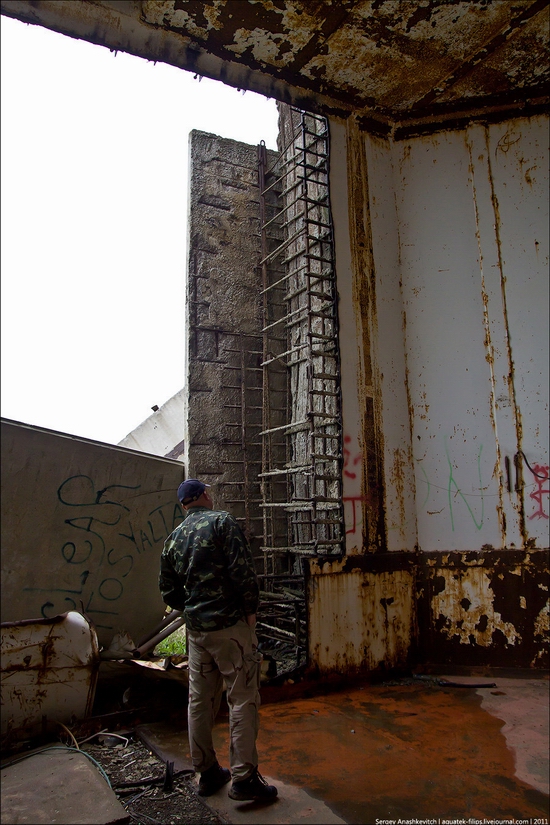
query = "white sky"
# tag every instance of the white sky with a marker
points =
(94, 226)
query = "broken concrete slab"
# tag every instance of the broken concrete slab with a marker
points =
(60, 786)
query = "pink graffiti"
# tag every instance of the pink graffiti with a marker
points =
(347, 459)
(540, 472)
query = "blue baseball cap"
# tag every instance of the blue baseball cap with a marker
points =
(190, 490)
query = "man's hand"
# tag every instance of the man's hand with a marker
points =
(251, 619)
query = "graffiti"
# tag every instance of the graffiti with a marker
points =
(454, 491)
(540, 472)
(354, 501)
(452, 483)
(428, 485)
(347, 459)
(104, 547)
(357, 503)
(353, 516)
(541, 476)
(507, 141)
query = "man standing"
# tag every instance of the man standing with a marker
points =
(207, 571)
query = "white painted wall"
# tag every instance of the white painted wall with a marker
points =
(475, 295)
(448, 377)
(455, 250)
(459, 333)
(162, 432)
(517, 156)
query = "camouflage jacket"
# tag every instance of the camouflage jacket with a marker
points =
(206, 570)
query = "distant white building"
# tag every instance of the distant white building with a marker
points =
(161, 433)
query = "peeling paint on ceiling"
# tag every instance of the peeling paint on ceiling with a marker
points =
(391, 62)
(392, 56)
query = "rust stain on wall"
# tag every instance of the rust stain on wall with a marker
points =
(465, 609)
(398, 479)
(488, 344)
(365, 305)
(375, 621)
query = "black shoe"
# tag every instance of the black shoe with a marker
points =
(253, 787)
(213, 779)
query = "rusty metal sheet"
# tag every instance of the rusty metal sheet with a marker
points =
(266, 33)
(375, 628)
(506, 68)
(488, 608)
(381, 54)
(377, 53)
(389, 352)
(49, 670)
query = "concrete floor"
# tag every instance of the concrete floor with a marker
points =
(58, 786)
(395, 751)
(403, 751)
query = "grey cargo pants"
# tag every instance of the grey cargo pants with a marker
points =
(217, 657)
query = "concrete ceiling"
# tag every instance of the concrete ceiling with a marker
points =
(407, 65)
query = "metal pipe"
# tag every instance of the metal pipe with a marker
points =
(174, 614)
(153, 642)
(285, 633)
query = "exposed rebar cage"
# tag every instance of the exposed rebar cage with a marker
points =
(276, 455)
(301, 435)
(241, 380)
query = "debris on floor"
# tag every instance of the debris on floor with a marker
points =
(139, 780)
(107, 779)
